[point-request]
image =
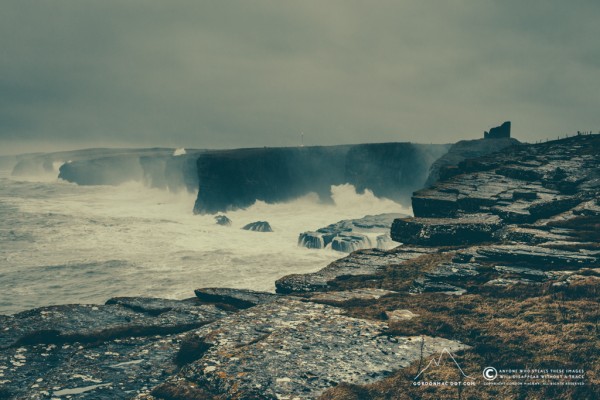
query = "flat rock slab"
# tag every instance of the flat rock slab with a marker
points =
(363, 262)
(240, 298)
(423, 285)
(469, 229)
(96, 351)
(125, 317)
(362, 294)
(538, 257)
(111, 370)
(515, 233)
(453, 271)
(293, 349)
(529, 273)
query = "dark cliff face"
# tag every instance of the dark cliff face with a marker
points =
(237, 178)
(392, 170)
(230, 179)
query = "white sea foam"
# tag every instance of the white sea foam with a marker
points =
(63, 243)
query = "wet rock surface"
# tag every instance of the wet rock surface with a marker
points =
(120, 317)
(349, 242)
(527, 204)
(352, 234)
(539, 257)
(222, 220)
(258, 226)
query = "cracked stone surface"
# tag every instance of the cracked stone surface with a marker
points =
(556, 178)
(107, 351)
(300, 349)
(87, 323)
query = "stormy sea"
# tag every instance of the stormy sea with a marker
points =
(61, 243)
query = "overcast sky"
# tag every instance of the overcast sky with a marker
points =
(258, 73)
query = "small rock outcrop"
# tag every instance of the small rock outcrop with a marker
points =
(465, 149)
(352, 234)
(498, 132)
(469, 229)
(349, 242)
(222, 220)
(258, 226)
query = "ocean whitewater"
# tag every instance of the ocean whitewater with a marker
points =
(61, 243)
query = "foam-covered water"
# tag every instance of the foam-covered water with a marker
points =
(62, 243)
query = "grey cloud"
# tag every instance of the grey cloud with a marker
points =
(257, 73)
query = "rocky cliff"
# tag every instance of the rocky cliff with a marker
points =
(230, 179)
(157, 168)
(499, 269)
(237, 178)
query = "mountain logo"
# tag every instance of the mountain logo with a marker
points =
(438, 361)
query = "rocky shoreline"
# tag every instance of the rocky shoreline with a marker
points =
(500, 266)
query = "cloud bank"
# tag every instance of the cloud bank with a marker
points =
(260, 73)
